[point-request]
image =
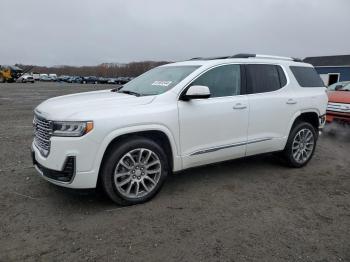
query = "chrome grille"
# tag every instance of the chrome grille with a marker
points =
(338, 107)
(42, 134)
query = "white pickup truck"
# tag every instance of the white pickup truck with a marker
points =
(178, 116)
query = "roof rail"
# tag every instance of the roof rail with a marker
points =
(279, 58)
(210, 58)
(224, 57)
(243, 55)
(275, 57)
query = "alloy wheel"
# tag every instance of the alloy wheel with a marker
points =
(137, 173)
(303, 145)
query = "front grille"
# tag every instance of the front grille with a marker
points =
(42, 134)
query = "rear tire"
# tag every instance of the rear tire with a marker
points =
(301, 144)
(134, 171)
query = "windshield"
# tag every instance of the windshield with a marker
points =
(158, 80)
(338, 85)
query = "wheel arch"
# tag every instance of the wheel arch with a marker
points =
(310, 116)
(160, 134)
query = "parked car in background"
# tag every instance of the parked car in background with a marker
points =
(25, 79)
(63, 78)
(337, 85)
(123, 80)
(70, 79)
(179, 116)
(36, 76)
(338, 109)
(74, 79)
(112, 81)
(102, 80)
(90, 80)
(78, 80)
(53, 77)
(45, 78)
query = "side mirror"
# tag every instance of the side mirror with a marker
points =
(196, 92)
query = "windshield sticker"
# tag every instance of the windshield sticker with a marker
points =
(161, 83)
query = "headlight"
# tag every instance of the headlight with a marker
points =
(63, 128)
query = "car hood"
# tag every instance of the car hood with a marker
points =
(339, 97)
(82, 105)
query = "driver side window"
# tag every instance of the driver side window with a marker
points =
(222, 80)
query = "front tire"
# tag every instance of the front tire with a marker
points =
(301, 144)
(134, 171)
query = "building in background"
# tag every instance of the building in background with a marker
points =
(332, 69)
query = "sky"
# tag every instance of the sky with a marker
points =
(86, 32)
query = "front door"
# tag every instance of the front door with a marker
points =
(214, 129)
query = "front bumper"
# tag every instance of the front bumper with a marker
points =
(64, 176)
(69, 164)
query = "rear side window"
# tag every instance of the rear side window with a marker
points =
(264, 78)
(306, 76)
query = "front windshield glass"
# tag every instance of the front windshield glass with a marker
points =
(338, 85)
(158, 80)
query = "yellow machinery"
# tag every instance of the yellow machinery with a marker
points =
(9, 73)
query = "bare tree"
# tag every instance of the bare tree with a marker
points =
(132, 69)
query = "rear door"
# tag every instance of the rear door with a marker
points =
(272, 104)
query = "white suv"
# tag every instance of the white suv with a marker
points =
(179, 116)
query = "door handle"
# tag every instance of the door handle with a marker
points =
(291, 101)
(239, 106)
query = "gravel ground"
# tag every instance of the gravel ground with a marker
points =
(251, 209)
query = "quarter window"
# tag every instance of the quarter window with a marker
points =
(264, 78)
(222, 81)
(307, 76)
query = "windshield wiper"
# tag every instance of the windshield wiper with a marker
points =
(116, 89)
(129, 92)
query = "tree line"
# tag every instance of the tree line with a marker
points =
(103, 70)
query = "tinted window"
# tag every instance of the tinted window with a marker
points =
(262, 78)
(222, 81)
(306, 76)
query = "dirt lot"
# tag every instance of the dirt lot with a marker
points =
(244, 210)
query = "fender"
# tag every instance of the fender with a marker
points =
(297, 114)
(134, 129)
